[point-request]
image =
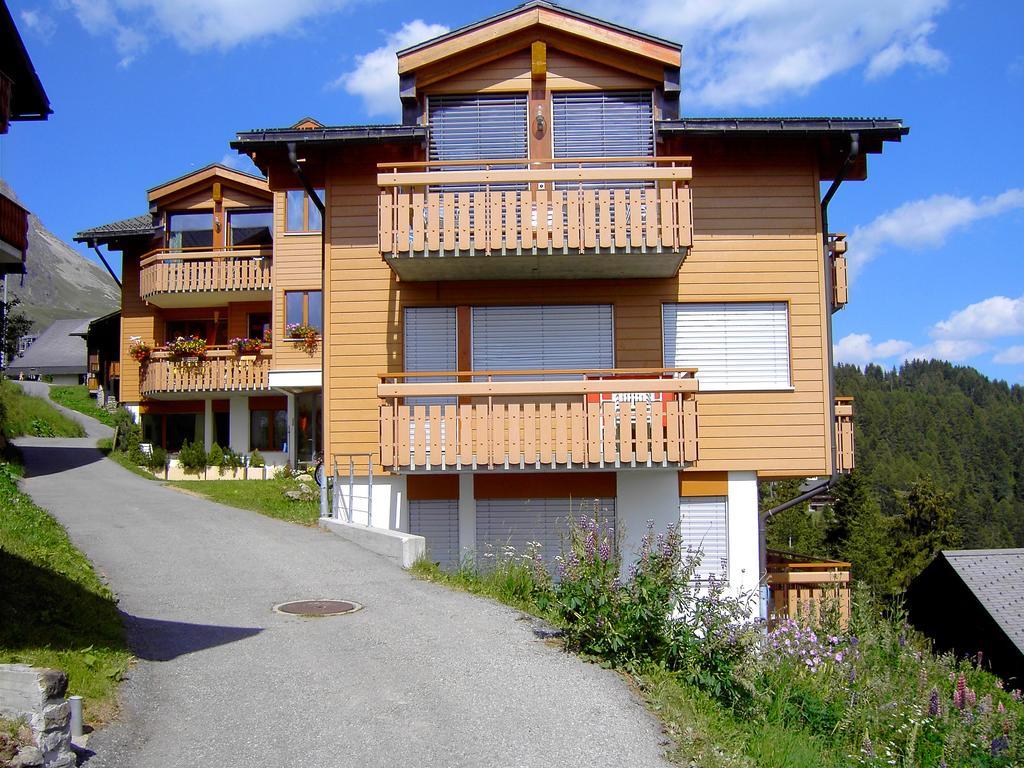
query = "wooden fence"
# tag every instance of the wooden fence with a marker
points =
(188, 271)
(806, 590)
(221, 370)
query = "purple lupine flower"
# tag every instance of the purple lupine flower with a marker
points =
(970, 697)
(960, 694)
(853, 674)
(605, 551)
(985, 706)
(968, 717)
(999, 745)
(1015, 694)
(1000, 708)
(903, 640)
(933, 703)
(867, 747)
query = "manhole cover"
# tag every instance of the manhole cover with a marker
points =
(318, 607)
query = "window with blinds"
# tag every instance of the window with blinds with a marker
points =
(704, 527)
(733, 346)
(603, 124)
(431, 344)
(477, 127)
(543, 337)
(438, 523)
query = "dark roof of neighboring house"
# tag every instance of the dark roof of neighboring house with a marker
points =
(29, 100)
(996, 578)
(336, 134)
(134, 227)
(59, 349)
(536, 4)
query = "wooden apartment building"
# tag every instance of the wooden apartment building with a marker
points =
(547, 292)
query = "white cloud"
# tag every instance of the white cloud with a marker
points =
(193, 24)
(240, 163)
(1010, 355)
(857, 348)
(924, 224)
(375, 75)
(751, 52)
(38, 22)
(988, 319)
(954, 350)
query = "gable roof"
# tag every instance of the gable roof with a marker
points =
(59, 349)
(136, 226)
(209, 172)
(996, 578)
(541, 14)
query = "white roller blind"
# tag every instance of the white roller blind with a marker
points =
(704, 525)
(438, 523)
(737, 345)
(477, 127)
(543, 337)
(516, 522)
(603, 124)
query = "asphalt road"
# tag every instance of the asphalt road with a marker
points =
(422, 676)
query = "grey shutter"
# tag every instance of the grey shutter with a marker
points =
(733, 345)
(477, 127)
(514, 523)
(543, 337)
(603, 124)
(704, 526)
(431, 345)
(438, 523)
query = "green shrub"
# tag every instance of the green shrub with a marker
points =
(215, 458)
(256, 459)
(42, 428)
(231, 462)
(192, 457)
(157, 459)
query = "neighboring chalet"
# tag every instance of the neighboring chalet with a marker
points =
(59, 352)
(972, 600)
(21, 98)
(103, 346)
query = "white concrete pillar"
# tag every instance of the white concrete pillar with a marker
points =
(467, 515)
(643, 495)
(292, 418)
(744, 539)
(238, 421)
(208, 424)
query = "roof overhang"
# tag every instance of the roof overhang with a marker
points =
(119, 233)
(28, 99)
(204, 176)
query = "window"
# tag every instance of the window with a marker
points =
(739, 345)
(259, 325)
(189, 230)
(251, 228)
(268, 430)
(602, 124)
(304, 308)
(704, 527)
(301, 213)
(543, 337)
(430, 345)
(478, 127)
(212, 331)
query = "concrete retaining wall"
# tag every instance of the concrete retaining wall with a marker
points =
(401, 548)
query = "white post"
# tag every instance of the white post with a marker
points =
(744, 552)
(207, 424)
(292, 432)
(75, 705)
(238, 423)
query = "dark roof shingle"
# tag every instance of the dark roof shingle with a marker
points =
(996, 578)
(135, 226)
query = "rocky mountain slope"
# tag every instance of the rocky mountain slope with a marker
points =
(61, 282)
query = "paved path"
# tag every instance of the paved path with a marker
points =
(422, 676)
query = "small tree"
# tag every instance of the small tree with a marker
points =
(13, 325)
(192, 457)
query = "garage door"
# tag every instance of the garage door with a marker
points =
(515, 523)
(704, 525)
(438, 523)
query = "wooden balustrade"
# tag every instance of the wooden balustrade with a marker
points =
(844, 435)
(807, 591)
(566, 209)
(168, 271)
(221, 370)
(626, 419)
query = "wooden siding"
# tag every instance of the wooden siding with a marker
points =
(756, 237)
(296, 268)
(137, 319)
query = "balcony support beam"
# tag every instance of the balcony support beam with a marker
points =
(207, 424)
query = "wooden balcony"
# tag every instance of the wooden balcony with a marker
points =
(625, 217)
(200, 277)
(494, 420)
(13, 237)
(840, 279)
(807, 591)
(844, 435)
(221, 370)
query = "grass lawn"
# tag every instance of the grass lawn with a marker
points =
(54, 610)
(27, 415)
(78, 399)
(263, 496)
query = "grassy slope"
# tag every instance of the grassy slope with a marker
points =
(263, 496)
(78, 399)
(54, 610)
(27, 415)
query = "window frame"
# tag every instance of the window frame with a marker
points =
(307, 203)
(305, 310)
(229, 213)
(271, 431)
(168, 218)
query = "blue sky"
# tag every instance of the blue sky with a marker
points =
(145, 90)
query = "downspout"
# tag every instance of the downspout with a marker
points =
(105, 264)
(851, 155)
(325, 506)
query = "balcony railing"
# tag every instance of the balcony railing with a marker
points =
(844, 434)
(807, 591)
(170, 278)
(584, 217)
(13, 236)
(220, 370)
(840, 279)
(579, 420)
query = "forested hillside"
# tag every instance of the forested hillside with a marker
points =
(940, 463)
